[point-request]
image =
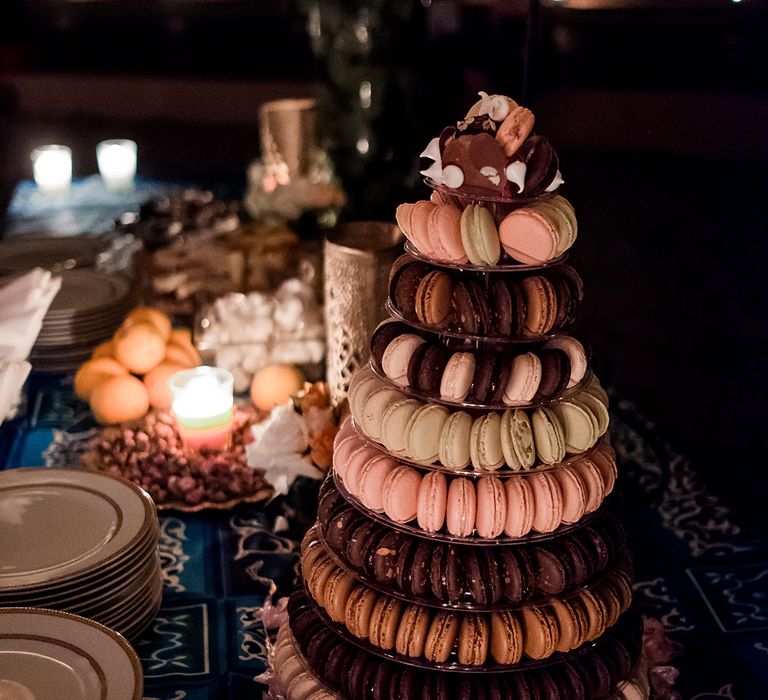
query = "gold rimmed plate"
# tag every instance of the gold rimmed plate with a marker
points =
(61, 524)
(49, 655)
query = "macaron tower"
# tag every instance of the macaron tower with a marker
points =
(466, 545)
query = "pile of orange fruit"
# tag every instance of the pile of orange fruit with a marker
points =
(128, 375)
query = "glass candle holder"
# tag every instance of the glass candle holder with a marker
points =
(117, 162)
(202, 405)
(52, 168)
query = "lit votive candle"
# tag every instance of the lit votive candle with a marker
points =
(202, 405)
(52, 168)
(117, 163)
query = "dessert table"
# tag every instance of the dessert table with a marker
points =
(697, 571)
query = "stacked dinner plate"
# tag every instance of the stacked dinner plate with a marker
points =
(82, 542)
(87, 311)
(48, 655)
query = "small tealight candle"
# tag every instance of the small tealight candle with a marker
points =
(202, 405)
(117, 163)
(52, 168)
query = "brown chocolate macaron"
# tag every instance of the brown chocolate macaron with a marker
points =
(385, 620)
(540, 305)
(433, 299)
(359, 609)
(506, 637)
(572, 623)
(405, 276)
(412, 631)
(442, 635)
(474, 638)
(540, 631)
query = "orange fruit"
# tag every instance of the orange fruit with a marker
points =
(181, 336)
(92, 373)
(146, 314)
(105, 349)
(156, 382)
(182, 354)
(119, 399)
(274, 385)
(139, 347)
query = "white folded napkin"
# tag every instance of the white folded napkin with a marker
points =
(12, 378)
(23, 305)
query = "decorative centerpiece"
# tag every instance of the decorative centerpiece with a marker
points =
(465, 544)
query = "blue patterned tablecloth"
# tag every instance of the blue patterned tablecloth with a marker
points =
(697, 570)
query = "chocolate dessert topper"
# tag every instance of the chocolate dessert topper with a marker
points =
(494, 152)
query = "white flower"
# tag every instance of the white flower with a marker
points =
(278, 447)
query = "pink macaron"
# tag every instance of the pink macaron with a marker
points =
(574, 494)
(491, 507)
(397, 356)
(461, 507)
(547, 502)
(528, 236)
(401, 493)
(433, 495)
(370, 481)
(357, 458)
(593, 481)
(419, 221)
(346, 429)
(524, 379)
(457, 376)
(520, 505)
(341, 454)
(444, 233)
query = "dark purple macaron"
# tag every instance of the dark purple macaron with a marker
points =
(421, 569)
(582, 565)
(385, 554)
(555, 374)
(336, 667)
(384, 335)
(454, 575)
(518, 686)
(516, 575)
(361, 676)
(358, 547)
(541, 164)
(482, 384)
(436, 686)
(404, 280)
(597, 673)
(483, 575)
(550, 572)
(340, 527)
(319, 647)
(331, 503)
(466, 318)
(305, 625)
(426, 366)
(502, 308)
(596, 545)
(437, 573)
(382, 681)
(500, 379)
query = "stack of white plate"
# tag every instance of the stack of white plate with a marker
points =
(82, 542)
(86, 311)
(50, 655)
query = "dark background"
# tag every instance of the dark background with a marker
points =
(659, 111)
